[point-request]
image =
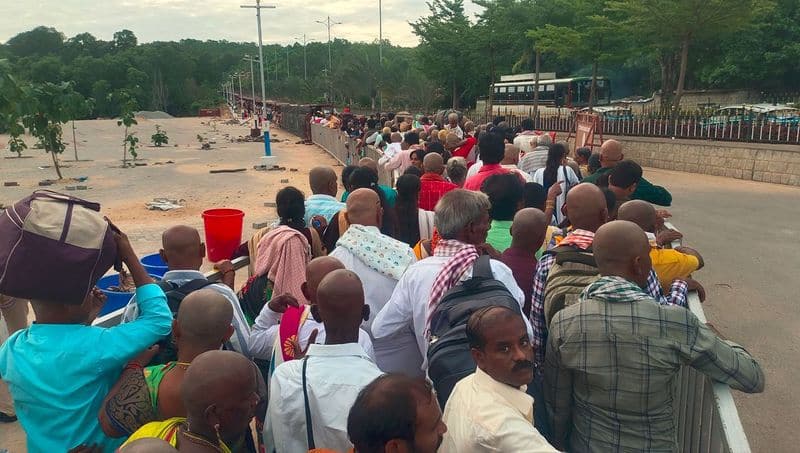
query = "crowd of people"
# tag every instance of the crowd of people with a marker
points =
(493, 293)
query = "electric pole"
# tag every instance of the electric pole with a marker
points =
(258, 6)
(329, 24)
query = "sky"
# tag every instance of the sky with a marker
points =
(172, 20)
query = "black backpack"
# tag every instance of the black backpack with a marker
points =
(449, 357)
(175, 295)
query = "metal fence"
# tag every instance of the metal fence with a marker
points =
(690, 127)
(345, 149)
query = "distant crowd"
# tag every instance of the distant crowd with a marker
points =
(492, 292)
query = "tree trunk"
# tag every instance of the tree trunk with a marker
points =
(593, 88)
(56, 165)
(536, 85)
(667, 62)
(74, 141)
(125, 149)
(490, 99)
(676, 102)
(455, 95)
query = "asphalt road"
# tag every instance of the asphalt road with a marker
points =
(749, 236)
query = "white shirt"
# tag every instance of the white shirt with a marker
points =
(523, 142)
(396, 353)
(335, 374)
(484, 415)
(239, 341)
(564, 171)
(534, 160)
(456, 130)
(267, 325)
(475, 168)
(408, 305)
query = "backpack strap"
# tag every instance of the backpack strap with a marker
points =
(482, 267)
(193, 285)
(309, 428)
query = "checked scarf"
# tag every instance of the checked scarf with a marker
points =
(463, 256)
(614, 289)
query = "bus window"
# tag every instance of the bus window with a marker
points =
(502, 89)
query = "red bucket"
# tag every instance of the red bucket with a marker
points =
(223, 232)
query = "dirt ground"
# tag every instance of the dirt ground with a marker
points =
(123, 193)
(746, 231)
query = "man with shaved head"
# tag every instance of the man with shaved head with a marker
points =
(612, 359)
(220, 393)
(610, 155)
(183, 251)
(263, 342)
(323, 200)
(669, 264)
(329, 377)
(432, 185)
(380, 261)
(527, 235)
(511, 161)
(152, 393)
(489, 410)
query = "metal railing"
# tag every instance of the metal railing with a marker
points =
(114, 318)
(705, 414)
(345, 149)
(684, 126)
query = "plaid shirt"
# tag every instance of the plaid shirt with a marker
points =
(611, 363)
(431, 188)
(583, 239)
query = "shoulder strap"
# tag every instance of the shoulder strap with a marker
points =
(482, 267)
(569, 254)
(309, 428)
(193, 285)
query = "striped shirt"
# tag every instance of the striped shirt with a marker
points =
(611, 363)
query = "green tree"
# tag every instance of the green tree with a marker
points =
(128, 107)
(39, 41)
(443, 51)
(77, 107)
(12, 98)
(124, 39)
(594, 38)
(47, 110)
(670, 28)
(160, 137)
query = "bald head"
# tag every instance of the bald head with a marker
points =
(511, 156)
(639, 212)
(586, 207)
(204, 319)
(433, 163)
(340, 305)
(148, 445)
(621, 249)
(396, 137)
(610, 153)
(214, 388)
(316, 270)
(322, 181)
(363, 208)
(182, 248)
(528, 229)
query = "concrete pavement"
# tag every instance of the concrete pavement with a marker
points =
(749, 236)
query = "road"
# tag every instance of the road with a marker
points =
(749, 236)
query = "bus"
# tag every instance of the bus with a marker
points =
(571, 92)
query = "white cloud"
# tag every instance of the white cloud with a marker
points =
(169, 20)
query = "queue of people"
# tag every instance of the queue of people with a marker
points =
(526, 307)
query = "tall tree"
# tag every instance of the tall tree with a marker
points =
(124, 39)
(443, 52)
(671, 27)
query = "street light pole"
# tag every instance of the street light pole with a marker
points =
(252, 82)
(305, 59)
(328, 23)
(241, 95)
(287, 62)
(258, 6)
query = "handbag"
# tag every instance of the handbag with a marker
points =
(54, 247)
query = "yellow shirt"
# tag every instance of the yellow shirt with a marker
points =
(165, 430)
(671, 264)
